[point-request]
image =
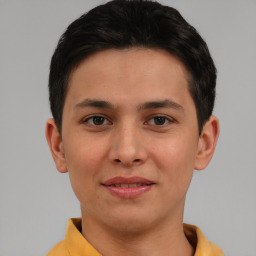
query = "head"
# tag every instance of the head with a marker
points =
(131, 92)
(122, 24)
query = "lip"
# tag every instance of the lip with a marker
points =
(130, 192)
(127, 180)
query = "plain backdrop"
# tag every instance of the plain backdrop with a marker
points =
(36, 201)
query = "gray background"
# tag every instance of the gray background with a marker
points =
(36, 201)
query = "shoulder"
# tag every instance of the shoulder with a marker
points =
(59, 249)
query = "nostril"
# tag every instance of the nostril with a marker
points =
(119, 161)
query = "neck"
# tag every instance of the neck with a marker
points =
(168, 239)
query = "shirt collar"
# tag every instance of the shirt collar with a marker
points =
(202, 246)
(78, 245)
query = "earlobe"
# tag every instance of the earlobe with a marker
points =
(56, 145)
(207, 143)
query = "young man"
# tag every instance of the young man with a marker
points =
(132, 88)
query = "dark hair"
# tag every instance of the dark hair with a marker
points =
(123, 24)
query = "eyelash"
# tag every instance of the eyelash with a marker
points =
(86, 120)
(167, 120)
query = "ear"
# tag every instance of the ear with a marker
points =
(207, 143)
(56, 145)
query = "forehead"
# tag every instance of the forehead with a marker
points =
(129, 69)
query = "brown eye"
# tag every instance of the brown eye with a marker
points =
(96, 121)
(159, 120)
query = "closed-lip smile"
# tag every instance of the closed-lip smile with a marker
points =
(128, 187)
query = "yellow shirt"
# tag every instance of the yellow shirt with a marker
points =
(75, 244)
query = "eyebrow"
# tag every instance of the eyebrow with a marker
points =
(160, 104)
(147, 105)
(95, 103)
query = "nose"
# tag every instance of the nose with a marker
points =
(127, 147)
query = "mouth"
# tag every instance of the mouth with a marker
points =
(128, 188)
(133, 185)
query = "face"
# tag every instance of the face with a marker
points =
(129, 138)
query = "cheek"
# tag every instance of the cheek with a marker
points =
(175, 158)
(84, 154)
(84, 159)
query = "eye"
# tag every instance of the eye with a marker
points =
(96, 121)
(159, 121)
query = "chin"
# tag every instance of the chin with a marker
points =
(131, 227)
(130, 222)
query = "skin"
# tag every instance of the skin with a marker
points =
(127, 140)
